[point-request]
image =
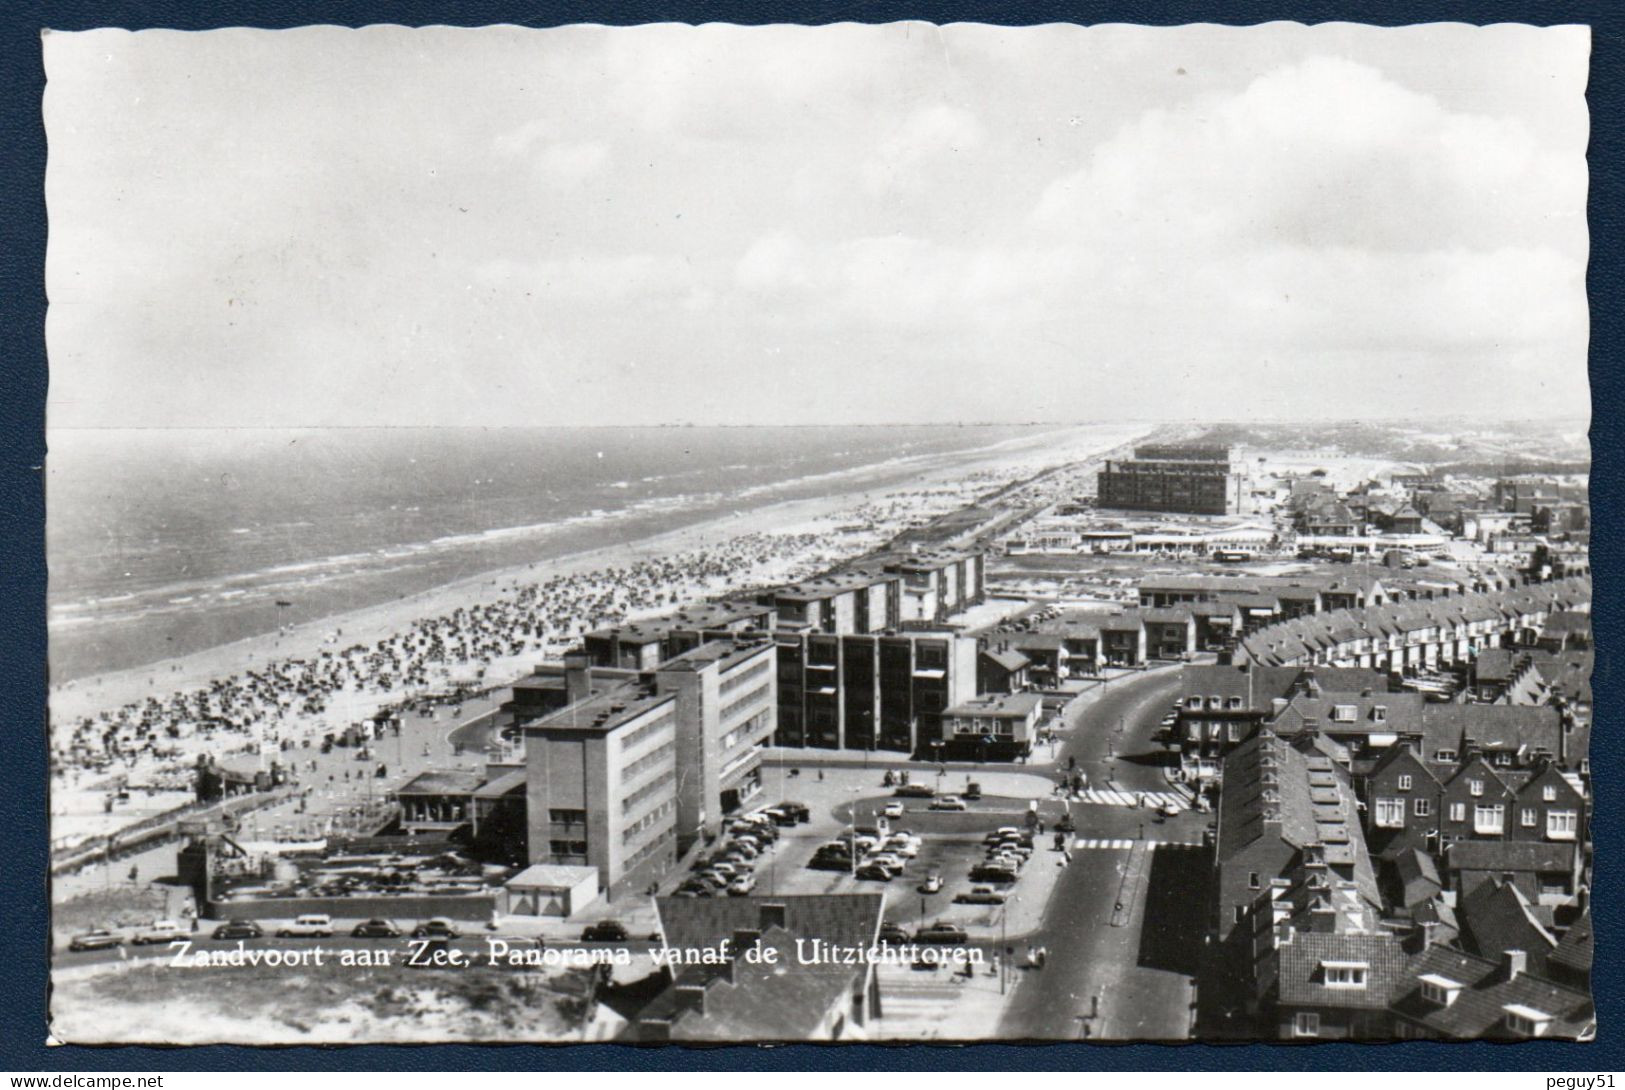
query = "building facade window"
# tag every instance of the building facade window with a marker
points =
(1404, 783)
(1562, 824)
(1390, 813)
(1422, 807)
(1489, 819)
(1475, 788)
(1343, 974)
(1526, 817)
(1548, 793)
(1458, 811)
(1306, 1024)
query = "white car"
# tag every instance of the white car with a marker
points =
(949, 802)
(309, 926)
(893, 810)
(158, 932)
(904, 846)
(895, 862)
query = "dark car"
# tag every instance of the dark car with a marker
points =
(941, 934)
(981, 895)
(437, 928)
(799, 812)
(875, 872)
(239, 929)
(375, 929)
(96, 940)
(1066, 825)
(972, 791)
(893, 935)
(915, 791)
(993, 872)
(605, 931)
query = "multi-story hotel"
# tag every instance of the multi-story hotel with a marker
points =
(1178, 478)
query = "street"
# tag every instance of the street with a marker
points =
(1111, 973)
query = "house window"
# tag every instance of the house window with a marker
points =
(1214, 703)
(1444, 754)
(1440, 990)
(1458, 811)
(1390, 813)
(1194, 703)
(1235, 732)
(1475, 787)
(1526, 1021)
(1343, 974)
(1548, 793)
(1241, 913)
(1252, 880)
(1503, 759)
(1489, 820)
(1562, 824)
(1422, 807)
(1404, 783)
(1306, 1024)
(1234, 703)
(1526, 817)
(1379, 713)
(1344, 713)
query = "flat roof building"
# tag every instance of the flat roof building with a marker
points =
(1193, 480)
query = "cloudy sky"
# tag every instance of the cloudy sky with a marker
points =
(792, 225)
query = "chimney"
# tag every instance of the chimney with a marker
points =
(1515, 963)
(577, 676)
(771, 915)
(689, 997)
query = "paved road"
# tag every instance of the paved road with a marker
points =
(1116, 925)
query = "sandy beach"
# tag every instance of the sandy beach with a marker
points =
(782, 542)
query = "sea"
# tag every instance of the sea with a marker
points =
(164, 542)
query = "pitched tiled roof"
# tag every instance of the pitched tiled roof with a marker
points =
(1008, 659)
(1496, 916)
(1509, 855)
(1479, 1010)
(1574, 951)
(1301, 974)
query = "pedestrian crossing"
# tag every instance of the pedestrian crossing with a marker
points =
(1123, 845)
(1097, 796)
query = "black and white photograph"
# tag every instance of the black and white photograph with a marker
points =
(706, 534)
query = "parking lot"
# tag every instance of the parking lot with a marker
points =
(948, 844)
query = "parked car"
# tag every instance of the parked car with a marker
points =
(742, 885)
(973, 790)
(893, 935)
(932, 883)
(888, 859)
(981, 895)
(239, 929)
(876, 872)
(915, 791)
(994, 872)
(605, 931)
(99, 939)
(798, 810)
(312, 925)
(893, 810)
(1066, 825)
(1170, 809)
(158, 932)
(949, 802)
(906, 846)
(941, 933)
(437, 928)
(375, 929)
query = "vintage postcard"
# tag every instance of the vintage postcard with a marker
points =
(853, 533)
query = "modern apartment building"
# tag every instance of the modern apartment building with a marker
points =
(601, 781)
(839, 603)
(726, 713)
(871, 692)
